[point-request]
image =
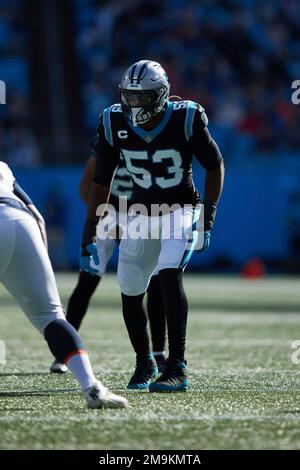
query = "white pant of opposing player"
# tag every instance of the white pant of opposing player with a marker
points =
(25, 268)
(165, 244)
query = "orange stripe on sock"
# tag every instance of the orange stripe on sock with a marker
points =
(73, 353)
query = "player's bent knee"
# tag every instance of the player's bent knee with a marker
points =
(168, 265)
(132, 280)
(131, 291)
(41, 321)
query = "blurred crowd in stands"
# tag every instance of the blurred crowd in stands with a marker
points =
(18, 145)
(238, 58)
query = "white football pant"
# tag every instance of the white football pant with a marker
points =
(25, 268)
(167, 241)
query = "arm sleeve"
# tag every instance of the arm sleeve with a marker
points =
(203, 145)
(107, 158)
(18, 191)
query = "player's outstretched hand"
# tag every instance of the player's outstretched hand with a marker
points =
(206, 242)
(89, 253)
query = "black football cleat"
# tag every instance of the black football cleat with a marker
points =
(174, 379)
(144, 372)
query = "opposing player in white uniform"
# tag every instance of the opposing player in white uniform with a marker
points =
(26, 272)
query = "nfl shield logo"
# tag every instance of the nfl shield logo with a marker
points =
(148, 139)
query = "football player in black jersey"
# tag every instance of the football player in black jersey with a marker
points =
(157, 139)
(79, 301)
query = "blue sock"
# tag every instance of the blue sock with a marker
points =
(63, 340)
(66, 345)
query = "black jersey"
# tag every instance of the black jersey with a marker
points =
(122, 185)
(160, 160)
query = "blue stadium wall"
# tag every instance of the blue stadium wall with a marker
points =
(251, 219)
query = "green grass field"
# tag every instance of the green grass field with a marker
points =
(245, 390)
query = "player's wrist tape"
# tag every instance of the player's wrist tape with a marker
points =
(210, 210)
(88, 234)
